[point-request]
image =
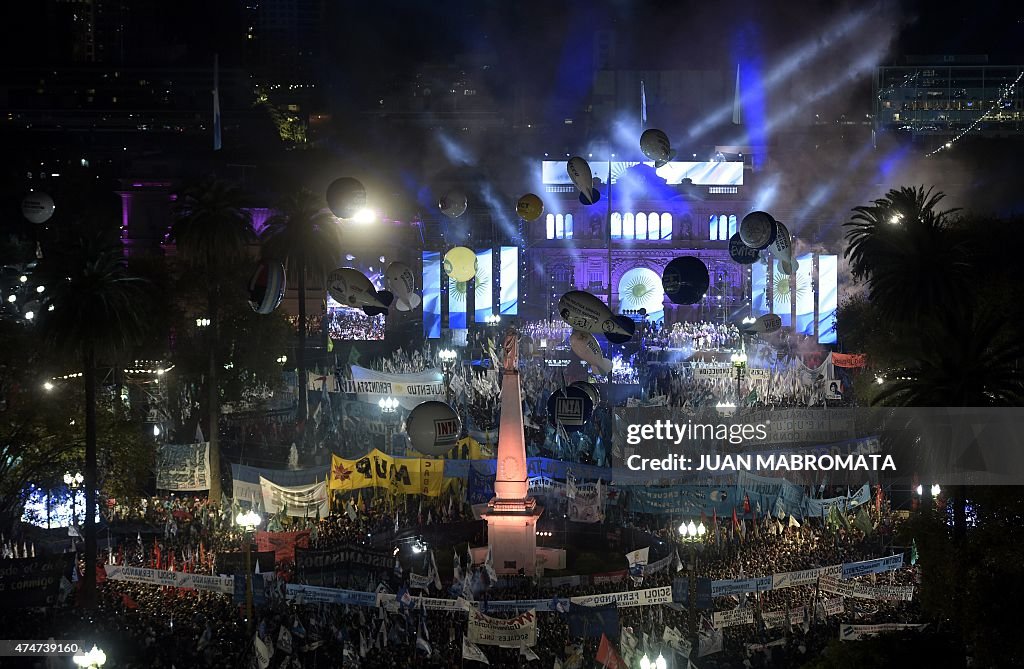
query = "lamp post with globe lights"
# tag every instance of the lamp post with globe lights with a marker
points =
(739, 361)
(692, 535)
(388, 408)
(74, 483)
(648, 663)
(92, 659)
(248, 521)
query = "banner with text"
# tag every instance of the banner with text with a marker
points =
(33, 581)
(509, 633)
(409, 389)
(282, 544)
(646, 597)
(173, 579)
(411, 476)
(304, 501)
(183, 467)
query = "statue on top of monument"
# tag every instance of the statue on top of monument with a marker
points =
(511, 362)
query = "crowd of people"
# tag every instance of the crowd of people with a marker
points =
(695, 336)
(150, 626)
(347, 324)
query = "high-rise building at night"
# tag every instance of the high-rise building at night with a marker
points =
(946, 95)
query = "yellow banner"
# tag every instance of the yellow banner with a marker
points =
(466, 448)
(412, 476)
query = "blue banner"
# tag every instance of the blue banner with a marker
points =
(876, 566)
(555, 469)
(735, 586)
(682, 500)
(432, 294)
(681, 593)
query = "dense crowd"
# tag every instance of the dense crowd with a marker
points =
(149, 626)
(695, 336)
(345, 324)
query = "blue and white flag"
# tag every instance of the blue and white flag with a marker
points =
(638, 564)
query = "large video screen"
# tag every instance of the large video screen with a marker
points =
(352, 324)
(709, 173)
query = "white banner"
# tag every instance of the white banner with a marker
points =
(773, 619)
(174, 579)
(729, 372)
(744, 616)
(876, 566)
(390, 602)
(409, 389)
(903, 593)
(302, 501)
(833, 607)
(587, 506)
(510, 633)
(183, 467)
(856, 632)
(790, 579)
(648, 597)
(417, 582)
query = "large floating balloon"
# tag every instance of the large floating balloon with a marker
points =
(570, 408)
(766, 324)
(460, 263)
(585, 312)
(529, 207)
(590, 389)
(402, 284)
(345, 197)
(656, 146)
(453, 203)
(433, 428)
(742, 253)
(583, 179)
(37, 207)
(266, 286)
(686, 280)
(782, 247)
(757, 230)
(586, 347)
(350, 287)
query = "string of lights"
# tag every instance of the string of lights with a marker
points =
(998, 105)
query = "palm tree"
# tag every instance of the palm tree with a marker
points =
(308, 238)
(98, 311)
(212, 231)
(914, 258)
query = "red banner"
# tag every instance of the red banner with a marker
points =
(849, 359)
(282, 543)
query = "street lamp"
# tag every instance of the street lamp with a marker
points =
(282, 359)
(202, 322)
(739, 361)
(388, 407)
(91, 659)
(248, 521)
(492, 319)
(74, 483)
(692, 535)
(647, 663)
(936, 490)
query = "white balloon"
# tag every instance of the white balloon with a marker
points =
(586, 347)
(433, 428)
(402, 283)
(350, 287)
(37, 207)
(581, 176)
(656, 146)
(782, 247)
(584, 311)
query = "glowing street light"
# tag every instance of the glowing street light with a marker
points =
(248, 521)
(936, 490)
(388, 404)
(492, 319)
(91, 659)
(47, 386)
(648, 663)
(202, 322)
(364, 216)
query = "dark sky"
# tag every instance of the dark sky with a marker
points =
(388, 35)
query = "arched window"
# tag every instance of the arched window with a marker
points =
(628, 226)
(616, 225)
(559, 227)
(550, 220)
(732, 225)
(723, 228)
(666, 226)
(641, 225)
(712, 228)
(568, 226)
